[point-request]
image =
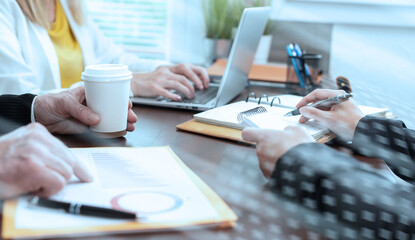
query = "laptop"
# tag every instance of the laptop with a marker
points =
(235, 77)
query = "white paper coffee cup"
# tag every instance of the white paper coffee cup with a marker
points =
(107, 90)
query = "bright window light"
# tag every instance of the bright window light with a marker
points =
(140, 26)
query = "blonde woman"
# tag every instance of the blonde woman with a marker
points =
(45, 44)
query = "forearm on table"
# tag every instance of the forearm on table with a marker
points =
(388, 140)
(338, 185)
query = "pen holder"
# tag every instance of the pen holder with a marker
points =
(303, 73)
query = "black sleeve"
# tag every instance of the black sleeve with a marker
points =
(15, 111)
(346, 190)
(388, 140)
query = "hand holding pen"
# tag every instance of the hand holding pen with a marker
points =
(341, 119)
(323, 104)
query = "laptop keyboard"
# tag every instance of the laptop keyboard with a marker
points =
(201, 96)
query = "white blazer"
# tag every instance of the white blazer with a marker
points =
(28, 60)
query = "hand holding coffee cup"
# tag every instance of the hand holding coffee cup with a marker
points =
(107, 90)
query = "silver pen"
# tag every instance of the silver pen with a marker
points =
(326, 103)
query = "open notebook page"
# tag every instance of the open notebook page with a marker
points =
(227, 115)
(275, 120)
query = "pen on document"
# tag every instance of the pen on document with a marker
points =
(82, 209)
(323, 103)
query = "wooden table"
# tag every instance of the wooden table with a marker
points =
(229, 168)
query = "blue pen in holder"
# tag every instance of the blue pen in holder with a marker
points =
(302, 70)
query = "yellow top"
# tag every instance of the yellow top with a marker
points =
(67, 48)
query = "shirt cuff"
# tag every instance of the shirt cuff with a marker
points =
(32, 111)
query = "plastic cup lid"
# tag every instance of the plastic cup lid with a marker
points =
(107, 71)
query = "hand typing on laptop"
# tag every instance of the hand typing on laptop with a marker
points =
(166, 78)
(233, 81)
(201, 96)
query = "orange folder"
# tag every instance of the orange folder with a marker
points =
(232, 134)
(273, 73)
(266, 72)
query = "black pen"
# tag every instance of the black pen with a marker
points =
(326, 103)
(82, 209)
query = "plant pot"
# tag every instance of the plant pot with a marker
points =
(262, 52)
(216, 48)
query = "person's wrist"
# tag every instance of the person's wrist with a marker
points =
(356, 121)
(348, 132)
(135, 85)
(36, 108)
(354, 126)
(165, 66)
(32, 110)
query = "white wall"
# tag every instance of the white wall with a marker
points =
(367, 12)
(372, 45)
(186, 31)
(380, 62)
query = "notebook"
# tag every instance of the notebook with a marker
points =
(235, 77)
(267, 112)
(270, 117)
(227, 115)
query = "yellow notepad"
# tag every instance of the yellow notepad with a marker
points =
(151, 181)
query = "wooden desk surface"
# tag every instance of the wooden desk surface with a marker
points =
(229, 168)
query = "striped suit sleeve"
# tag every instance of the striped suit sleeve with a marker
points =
(388, 140)
(346, 191)
(16, 110)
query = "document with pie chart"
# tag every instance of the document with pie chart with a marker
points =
(152, 181)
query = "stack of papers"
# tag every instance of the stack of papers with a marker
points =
(152, 182)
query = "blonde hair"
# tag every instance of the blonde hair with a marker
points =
(37, 11)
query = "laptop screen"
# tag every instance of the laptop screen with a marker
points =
(241, 57)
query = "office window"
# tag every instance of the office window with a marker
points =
(138, 25)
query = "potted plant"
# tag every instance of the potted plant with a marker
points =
(221, 19)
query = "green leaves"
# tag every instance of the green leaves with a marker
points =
(222, 16)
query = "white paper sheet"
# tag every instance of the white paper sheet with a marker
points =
(148, 181)
(273, 119)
